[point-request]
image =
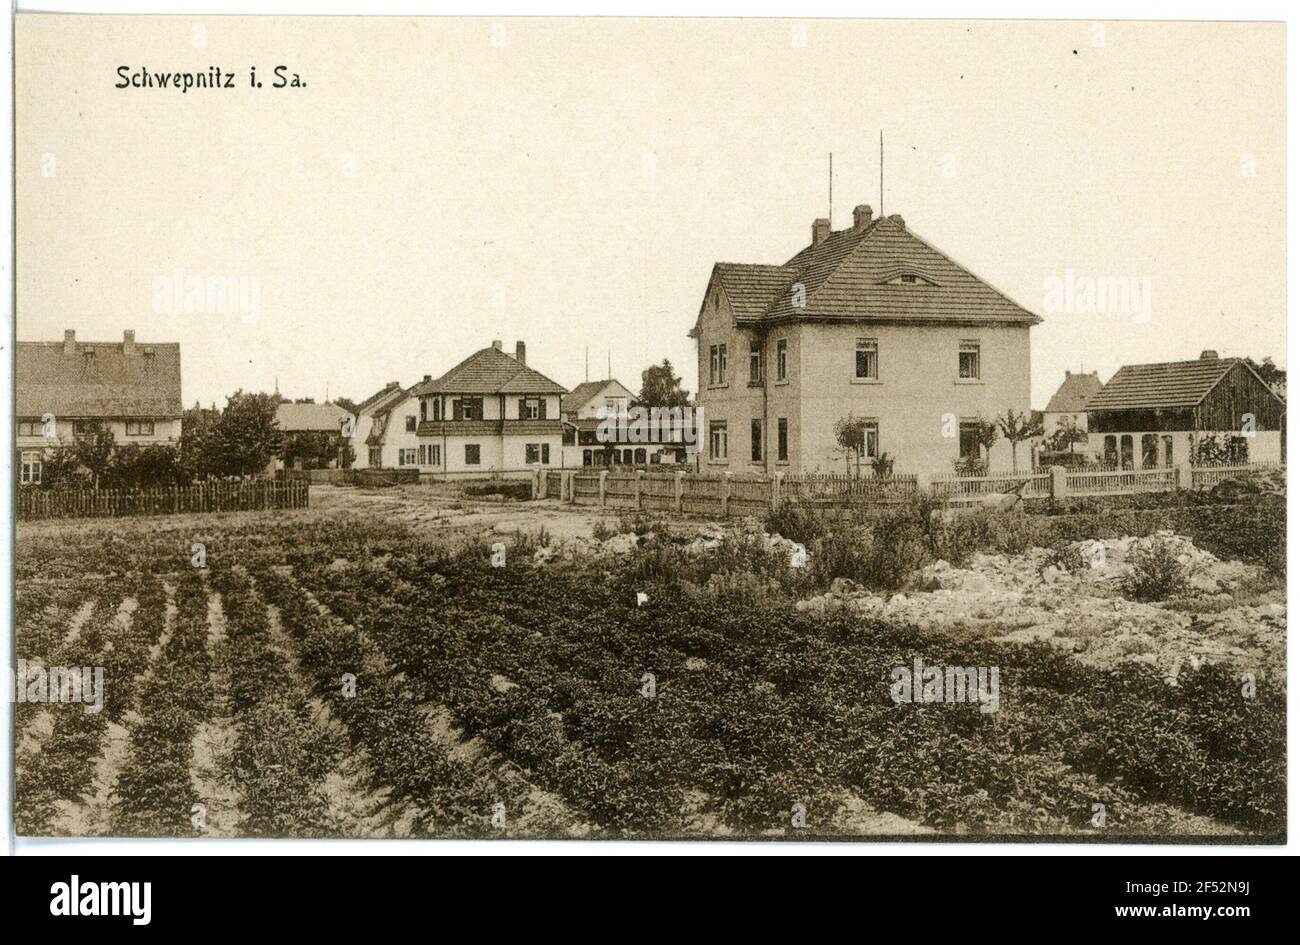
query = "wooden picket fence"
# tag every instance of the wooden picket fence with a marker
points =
(720, 495)
(216, 496)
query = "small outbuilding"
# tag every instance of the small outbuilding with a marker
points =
(1153, 415)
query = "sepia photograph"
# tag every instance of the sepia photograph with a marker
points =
(662, 430)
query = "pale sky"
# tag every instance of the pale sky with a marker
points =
(441, 183)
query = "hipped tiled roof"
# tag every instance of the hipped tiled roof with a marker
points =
(851, 275)
(490, 371)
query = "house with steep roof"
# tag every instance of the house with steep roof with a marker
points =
(491, 413)
(73, 388)
(869, 322)
(587, 441)
(385, 434)
(320, 429)
(1153, 415)
(1067, 404)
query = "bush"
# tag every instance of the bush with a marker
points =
(1157, 572)
(510, 488)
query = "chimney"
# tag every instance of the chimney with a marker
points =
(428, 377)
(821, 230)
(496, 343)
(128, 343)
(69, 342)
(519, 352)
(1209, 354)
(861, 216)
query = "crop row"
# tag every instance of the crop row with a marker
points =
(154, 794)
(381, 717)
(784, 707)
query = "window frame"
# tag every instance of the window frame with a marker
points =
(782, 360)
(965, 348)
(782, 440)
(717, 440)
(866, 360)
(31, 470)
(755, 362)
(755, 440)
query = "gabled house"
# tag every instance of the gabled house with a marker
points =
(73, 388)
(1068, 403)
(1154, 415)
(869, 322)
(314, 434)
(490, 413)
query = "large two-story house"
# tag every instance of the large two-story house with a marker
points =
(869, 322)
(490, 413)
(78, 388)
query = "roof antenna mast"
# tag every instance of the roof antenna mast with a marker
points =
(882, 172)
(830, 187)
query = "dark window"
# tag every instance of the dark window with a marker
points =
(755, 362)
(139, 428)
(532, 453)
(868, 367)
(968, 444)
(756, 440)
(586, 457)
(717, 439)
(780, 359)
(471, 454)
(782, 440)
(1110, 451)
(713, 364)
(467, 408)
(1126, 451)
(968, 360)
(1150, 450)
(410, 424)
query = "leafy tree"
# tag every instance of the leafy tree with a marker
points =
(661, 388)
(1268, 372)
(60, 467)
(986, 434)
(94, 452)
(145, 466)
(849, 432)
(1016, 427)
(316, 449)
(1067, 434)
(199, 448)
(247, 436)
(347, 404)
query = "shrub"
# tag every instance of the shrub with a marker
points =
(520, 489)
(1157, 572)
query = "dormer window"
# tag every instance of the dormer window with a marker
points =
(901, 277)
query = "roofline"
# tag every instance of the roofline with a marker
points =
(1000, 322)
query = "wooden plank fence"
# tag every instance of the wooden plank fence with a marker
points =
(725, 495)
(217, 496)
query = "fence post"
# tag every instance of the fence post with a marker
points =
(636, 488)
(1182, 476)
(726, 494)
(1058, 483)
(604, 474)
(923, 484)
(775, 489)
(537, 484)
(678, 478)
